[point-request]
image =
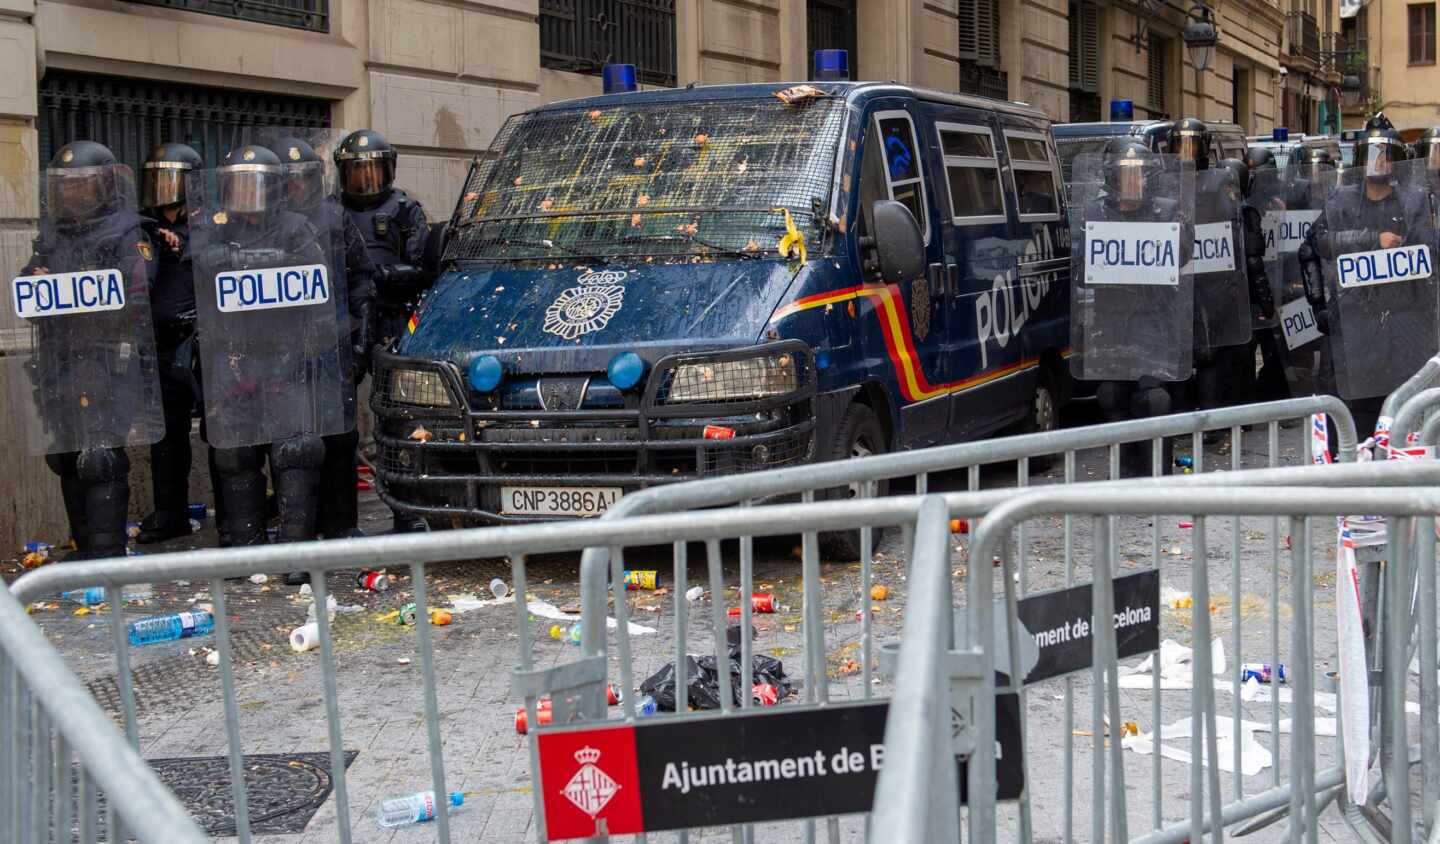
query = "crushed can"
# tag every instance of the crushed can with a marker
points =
(647, 579)
(35, 546)
(1263, 672)
(198, 511)
(407, 615)
(764, 694)
(373, 581)
(760, 602)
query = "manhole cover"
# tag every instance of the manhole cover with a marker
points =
(283, 790)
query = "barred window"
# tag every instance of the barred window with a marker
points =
(583, 36)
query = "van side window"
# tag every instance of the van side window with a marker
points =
(894, 134)
(1033, 170)
(972, 173)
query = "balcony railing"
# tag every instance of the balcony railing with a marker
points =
(985, 81)
(313, 15)
(1352, 62)
(1304, 36)
(583, 36)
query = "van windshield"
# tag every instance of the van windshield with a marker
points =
(663, 180)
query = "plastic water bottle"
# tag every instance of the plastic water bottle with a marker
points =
(416, 808)
(167, 628)
(95, 595)
(645, 706)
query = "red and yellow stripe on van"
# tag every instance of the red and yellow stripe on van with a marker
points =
(899, 345)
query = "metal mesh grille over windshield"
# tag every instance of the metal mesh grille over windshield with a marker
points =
(660, 180)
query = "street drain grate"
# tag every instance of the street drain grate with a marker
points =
(284, 790)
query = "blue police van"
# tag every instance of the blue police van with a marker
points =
(649, 287)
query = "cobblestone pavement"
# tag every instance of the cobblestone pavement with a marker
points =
(282, 711)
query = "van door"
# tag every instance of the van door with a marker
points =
(910, 316)
(981, 251)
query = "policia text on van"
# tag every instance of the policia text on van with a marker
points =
(650, 287)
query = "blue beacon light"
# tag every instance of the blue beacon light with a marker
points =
(486, 373)
(1122, 110)
(832, 66)
(618, 78)
(625, 370)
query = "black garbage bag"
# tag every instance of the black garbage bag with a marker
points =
(703, 680)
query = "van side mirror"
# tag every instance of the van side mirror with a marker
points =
(899, 245)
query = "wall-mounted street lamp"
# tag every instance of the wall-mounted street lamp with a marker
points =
(1200, 35)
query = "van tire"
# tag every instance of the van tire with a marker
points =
(859, 434)
(1043, 414)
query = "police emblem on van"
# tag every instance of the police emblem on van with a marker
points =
(587, 308)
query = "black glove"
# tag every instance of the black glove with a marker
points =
(1322, 319)
(400, 282)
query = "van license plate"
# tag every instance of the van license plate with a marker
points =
(557, 500)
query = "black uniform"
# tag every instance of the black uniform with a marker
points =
(95, 482)
(395, 231)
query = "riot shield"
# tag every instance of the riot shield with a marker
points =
(81, 354)
(1217, 263)
(312, 191)
(266, 289)
(1132, 298)
(1377, 250)
(1289, 204)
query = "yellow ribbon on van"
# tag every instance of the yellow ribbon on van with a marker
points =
(793, 243)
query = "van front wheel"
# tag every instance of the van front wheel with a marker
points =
(858, 435)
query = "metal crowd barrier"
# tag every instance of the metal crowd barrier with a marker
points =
(516, 542)
(59, 752)
(927, 665)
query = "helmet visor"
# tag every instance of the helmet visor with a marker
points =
(78, 193)
(246, 189)
(1130, 181)
(365, 177)
(161, 186)
(1378, 157)
(1188, 147)
(304, 184)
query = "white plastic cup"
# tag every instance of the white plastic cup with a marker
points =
(304, 638)
(498, 588)
(694, 593)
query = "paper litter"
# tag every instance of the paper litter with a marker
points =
(1254, 757)
(543, 609)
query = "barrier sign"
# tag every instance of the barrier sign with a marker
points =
(1132, 253)
(1059, 622)
(765, 765)
(1383, 266)
(275, 287)
(64, 294)
(1214, 249)
(1298, 320)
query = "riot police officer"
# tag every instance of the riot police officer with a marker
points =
(1133, 336)
(1222, 300)
(1379, 327)
(1262, 302)
(258, 364)
(92, 369)
(395, 231)
(162, 196)
(306, 195)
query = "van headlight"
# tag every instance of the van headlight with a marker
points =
(734, 380)
(420, 387)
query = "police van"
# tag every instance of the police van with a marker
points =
(648, 287)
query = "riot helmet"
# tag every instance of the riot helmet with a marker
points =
(304, 172)
(1190, 140)
(250, 179)
(162, 176)
(366, 162)
(1317, 166)
(1130, 170)
(1378, 151)
(80, 181)
(1427, 149)
(1239, 174)
(1259, 158)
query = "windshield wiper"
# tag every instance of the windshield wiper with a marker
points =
(553, 248)
(675, 238)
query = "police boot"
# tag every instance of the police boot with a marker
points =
(72, 490)
(339, 510)
(297, 462)
(241, 486)
(170, 465)
(1137, 459)
(1210, 384)
(106, 475)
